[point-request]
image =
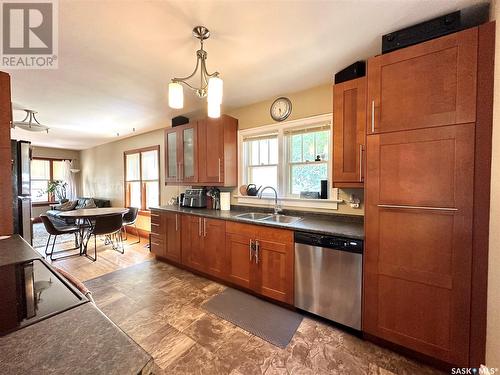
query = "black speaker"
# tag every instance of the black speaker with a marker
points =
(434, 28)
(324, 189)
(353, 71)
(179, 120)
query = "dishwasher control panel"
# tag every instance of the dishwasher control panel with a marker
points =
(331, 242)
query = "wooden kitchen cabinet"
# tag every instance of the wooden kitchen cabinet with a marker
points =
(203, 244)
(192, 242)
(349, 133)
(214, 232)
(427, 85)
(181, 154)
(166, 235)
(418, 257)
(261, 259)
(202, 153)
(6, 224)
(218, 165)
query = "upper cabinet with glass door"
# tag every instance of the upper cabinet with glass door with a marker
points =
(202, 153)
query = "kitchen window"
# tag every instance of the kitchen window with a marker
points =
(292, 158)
(42, 172)
(142, 177)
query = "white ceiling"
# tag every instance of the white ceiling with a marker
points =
(117, 57)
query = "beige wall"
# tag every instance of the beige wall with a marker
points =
(493, 330)
(311, 102)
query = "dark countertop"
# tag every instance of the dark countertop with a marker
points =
(16, 250)
(330, 224)
(79, 341)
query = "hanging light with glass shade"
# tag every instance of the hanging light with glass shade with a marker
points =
(30, 122)
(211, 85)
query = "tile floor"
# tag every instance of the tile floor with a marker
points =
(158, 305)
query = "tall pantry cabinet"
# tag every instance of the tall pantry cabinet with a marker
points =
(6, 223)
(420, 263)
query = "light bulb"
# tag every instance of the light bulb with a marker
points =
(215, 90)
(213, 110)
(175, 95)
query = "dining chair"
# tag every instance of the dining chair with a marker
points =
(110, 226)
(55, 231)
(130, 218)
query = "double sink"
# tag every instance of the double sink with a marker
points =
(270, 218)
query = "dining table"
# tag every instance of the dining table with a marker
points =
(85, 220)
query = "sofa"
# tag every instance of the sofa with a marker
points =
(80, 203)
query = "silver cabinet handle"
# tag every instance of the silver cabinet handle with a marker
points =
(199, 227)
(360, 163)
(417, 207)
(257, 248)
(204, 227)
(219, 168)
(250, 249)
(176, 222)
(373, 116)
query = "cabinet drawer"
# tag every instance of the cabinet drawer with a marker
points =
(155, 218)
(157, 246)
(155, 228)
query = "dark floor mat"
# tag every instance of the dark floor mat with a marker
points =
(272, 323)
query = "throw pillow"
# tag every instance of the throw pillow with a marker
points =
(90, 204)
(66, 206)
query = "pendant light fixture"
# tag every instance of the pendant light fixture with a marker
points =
(30, 123)
(211, 85)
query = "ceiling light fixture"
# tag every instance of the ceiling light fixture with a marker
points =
(210, 84)
(30, 122)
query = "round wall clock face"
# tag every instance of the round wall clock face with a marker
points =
(281, 109)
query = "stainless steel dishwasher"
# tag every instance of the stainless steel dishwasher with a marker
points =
(328, 277)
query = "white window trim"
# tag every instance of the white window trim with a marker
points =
(268, 199)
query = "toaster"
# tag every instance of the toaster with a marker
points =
(195, 198)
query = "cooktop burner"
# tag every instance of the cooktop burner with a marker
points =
(31, 291)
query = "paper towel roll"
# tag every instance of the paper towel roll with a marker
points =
(225, 201)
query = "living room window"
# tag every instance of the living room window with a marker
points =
(291, 157)
(42, 172)
(142, 177)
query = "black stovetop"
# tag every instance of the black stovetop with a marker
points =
(31, 291)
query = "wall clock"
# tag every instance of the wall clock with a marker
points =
(281, 109)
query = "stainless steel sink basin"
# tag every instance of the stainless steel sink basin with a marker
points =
(253, 216)
(282, 219)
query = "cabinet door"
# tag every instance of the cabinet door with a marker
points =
(239, 254)
(191, 243)
(211, 149)
(172, 160)
(188, 162)
(173, 236)
(418, 246)
(274, 264)
(427, 85)
(214, 233)
(349, 122)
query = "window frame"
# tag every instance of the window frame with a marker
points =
(143, 209)
(51, 197)
(283, 162)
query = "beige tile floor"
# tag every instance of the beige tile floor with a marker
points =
(159, 306)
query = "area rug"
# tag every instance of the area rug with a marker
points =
(270, 322)
(40, 237)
